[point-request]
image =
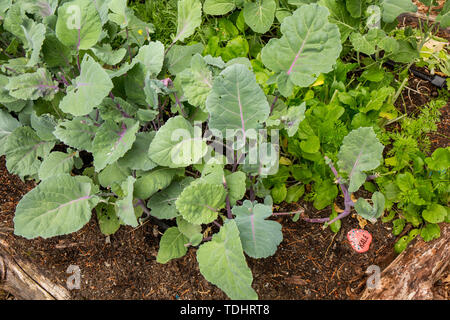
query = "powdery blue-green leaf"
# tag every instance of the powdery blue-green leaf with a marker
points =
(179, 57)
(112, 141)
(196, 81)
(87, 90)
(360, 151)
(79, 25)
(125, 208)
(107, 55)
(435, 213)
(222, 262)
(152, 57)
(236, 186)
(259, 15)
(219, 7)
(172, 245)
(309, 46)
(57, 206)
(199, 203)
(23, 149)
(77, 133)
(188, 229)
(444, 16)
(31, 86)
(189, 18)
(341, 17)
(44, 125)
(7, 125)
(393, 8)
(137, 157)
(56, 163)
(355, 7)
(35, 35)
(371, 212)
(260, 237)
(119, 12)
(55, 54)
(155, 180)
(162, 203)
(113, 174)
(236, 101)
(177, 144)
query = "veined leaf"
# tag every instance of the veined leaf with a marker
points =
(79, 25)
(309, 46)
(87, 90)
(77, 133)
(35, 35)
(179, 57)
(152, 57)
(260, 237)
(189, 18)
(157, 179)
(371, 213)
(125, 208)
(162, 203)
(222, 262)
(236, 101)
(360, 151)
(341, 17)
(111, 142)
(23, 149)
(119, 14)
(56, 163)
(355, 7)
(171, 245)
(31, 86)
(177, 144)
(219, 7)
(7, 125)
(108, 220)
(200, 202)
(137, 157)
(393, 8)
(259, 15)
(444, 16)
(57, 206)
(106, 54)
(113, 175)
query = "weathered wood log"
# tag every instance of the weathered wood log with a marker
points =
(412, 274)
(25, 281)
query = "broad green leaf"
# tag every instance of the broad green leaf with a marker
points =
(309, 46)
(196, 81)
(44, 126)
(119, 14)
(112, 141)
(107, 55)
(430, 232)
(177, 144)
(393, 8)
(79, 25)
(162, 203)
(222, 262)
(77, 133)
(236, 186)
(279, 192)
(152, 57)
(179, 57)
(189, 18)
(125, 208)
(112, 175)
(218, 7)
(360, 151)
(200, 203)
(406, 53)
(335, 226)
(55, 54)
(35, 35)
(435, 213)
(325, 193)
(7, 125)
(171, 245)
(294, 193)
(56, 163)
(371, 213)
(31, 86)
(439, 160)
(259, 15)
(444, 16)
(137, 157)
(236, 101)
(87, 90)
(311, 145)
(13, 21)
(57, 206)
(157, 179)
(341, 17)
(355, 7)
(260, 237)
(188, 229)
(23, 150)
(108, 220)
(397, 226)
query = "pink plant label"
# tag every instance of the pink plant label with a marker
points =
(359, 239)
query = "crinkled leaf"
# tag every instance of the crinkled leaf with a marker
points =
(360, 151)
(430, 232)
(222, 262)
(200, 203)
(24, 151)
(172, 245)
(439, 160)
(31, 86)
(309, 46)
(88, 89)
(177, 144)
(236, 101)
(57, 206)
(112, 141)
(260, 237)
(435, 213)
(56, 163)
(79, 25)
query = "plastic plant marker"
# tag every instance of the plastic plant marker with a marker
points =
(359, 239)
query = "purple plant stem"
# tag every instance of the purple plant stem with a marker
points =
(78, 50)
(229, 214)
(273, 104)
(287, 213)
(128, 44)
(217, 224)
